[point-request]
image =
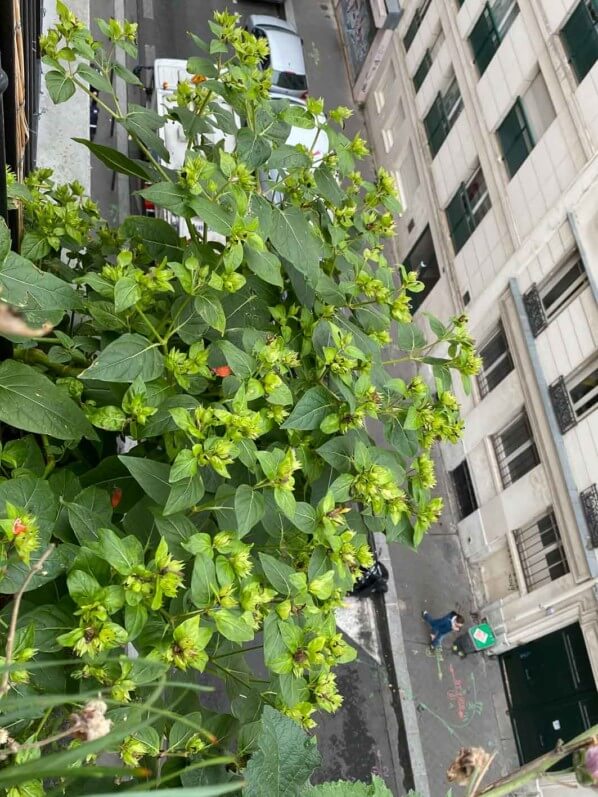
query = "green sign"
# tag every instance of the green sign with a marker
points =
(482, 636)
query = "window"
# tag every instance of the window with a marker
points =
(496, 362)
(516, 451)
(387, 139)
(422, 258)
(416, 22)
(580, 37)
(442, 115)
(467, 208)
(490, 29)
(422, 70)
(525, 124)
(583, 389)
(541, 552)
(515, 138)
(568, 281)
(546, 302)
(427, 61)
(466, 497)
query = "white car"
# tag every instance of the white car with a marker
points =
(286, 54)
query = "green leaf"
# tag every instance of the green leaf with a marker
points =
(126, 74)
(252, 149)
(241, 364)
(264, 265)
(35, 497)
(286, 758)
(293, 690)
(94, 78)
(16, 572)
(60, 86)
(40, 295)
(305, 518)
(176, 530)
(338, 452)
(135, 620)
(249, 508)
(184, 494)
(126, 358)
(233, 626)
(35, 246)
(126, 293)
(278, 573)
(49, 622)
(168, 195)
(203, 582)
(409, 337)
(356, 788)
(214, 215)
(214, 790)
(328, 185)
(209, 307)
(311, 409)
(142, 124)
(5, 241)
(121, 553)
(286, 502)
(294, 239)
(150, 475)
(29, 401)
(158, 237)
(90, 510)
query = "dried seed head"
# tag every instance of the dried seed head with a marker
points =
(467, 762)
(91, 723)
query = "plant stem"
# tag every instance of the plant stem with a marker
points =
(37, 357)
(534, 769)
(50, 458)
(12, 630)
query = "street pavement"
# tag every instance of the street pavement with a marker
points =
(406, 713)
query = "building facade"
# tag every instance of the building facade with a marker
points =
(487, 114)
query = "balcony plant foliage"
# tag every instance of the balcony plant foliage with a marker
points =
(241, 370)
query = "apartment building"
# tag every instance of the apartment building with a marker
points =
(487, 113)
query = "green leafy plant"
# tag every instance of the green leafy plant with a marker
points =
(188, 472)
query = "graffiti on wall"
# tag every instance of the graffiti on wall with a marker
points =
(358, 31)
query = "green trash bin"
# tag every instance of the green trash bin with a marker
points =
(477, 638)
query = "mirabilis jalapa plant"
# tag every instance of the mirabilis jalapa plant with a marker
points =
(243, 372)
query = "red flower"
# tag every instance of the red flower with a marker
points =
(116, 496)
(18, 527)
(222, 370)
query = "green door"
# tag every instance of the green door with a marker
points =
(550, 690)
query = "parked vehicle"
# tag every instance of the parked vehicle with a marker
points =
(286, 57)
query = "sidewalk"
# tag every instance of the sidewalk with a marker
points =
(447, 702)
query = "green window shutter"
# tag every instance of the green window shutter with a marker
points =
(436, 125)
(515, 138)
(580, 37)
(422, 70)
(484, 40)
(457, 216)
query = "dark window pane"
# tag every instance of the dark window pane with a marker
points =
(289, 80)
(466, 497)
(422, 258)
(497, 362)
(584, 394)
(515, 139)
(422, 70)
(515, 436)
(436, 125)
(499, 372)
(580, 37)
(484, 40)
(458, 220)
(412, 30)
(523, 462)
(561, 287)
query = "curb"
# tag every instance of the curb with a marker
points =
(399, 659)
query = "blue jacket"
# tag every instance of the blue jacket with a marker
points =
(444, 625)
